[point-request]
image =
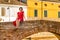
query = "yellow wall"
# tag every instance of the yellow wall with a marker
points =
(32, 7)
(52, 9)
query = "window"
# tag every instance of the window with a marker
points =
(58, 14)
(35, 13)
(45, 13)
(3, 11)
(23, 1)
(36, 4)
(45, 4)
(59, 6)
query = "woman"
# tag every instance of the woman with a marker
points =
(20, 17)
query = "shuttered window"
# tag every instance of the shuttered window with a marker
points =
(35, 13)
(45, 13)
(58, 14)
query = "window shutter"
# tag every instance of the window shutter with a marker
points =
(45, 13)
(35, 13)
(58, 14)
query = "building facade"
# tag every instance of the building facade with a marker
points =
(37, 9)
(45, 10)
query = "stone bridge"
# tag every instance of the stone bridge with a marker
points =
(9, 32)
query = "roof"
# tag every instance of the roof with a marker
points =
(14, 2)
